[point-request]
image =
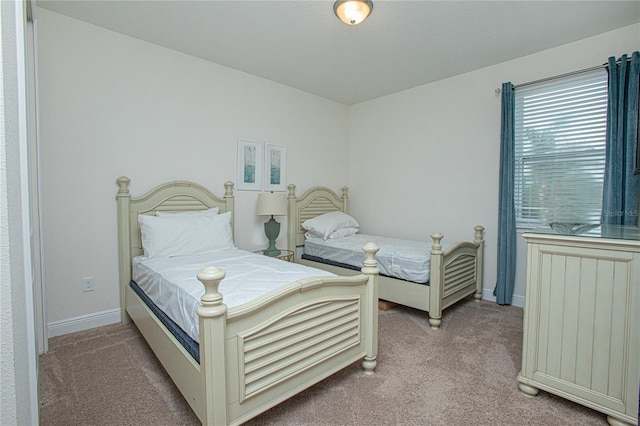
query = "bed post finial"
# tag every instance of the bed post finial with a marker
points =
(437, 247)
(123, 185)
(228, 189)
(210, 278)
(292, 190)
(478, 238)
(370, 250)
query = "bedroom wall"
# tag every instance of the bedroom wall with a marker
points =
(427, 159)
(18, 353)
(112, 105)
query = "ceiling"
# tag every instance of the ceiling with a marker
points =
(403, 44)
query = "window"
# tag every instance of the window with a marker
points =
(560, 131)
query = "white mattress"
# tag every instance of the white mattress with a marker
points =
(404, 259)
(172, 284)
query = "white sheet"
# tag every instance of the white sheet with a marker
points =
(172, 284)
(405, 259)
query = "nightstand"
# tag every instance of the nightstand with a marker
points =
(286, 255)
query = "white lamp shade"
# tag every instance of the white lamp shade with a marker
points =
(272, 204)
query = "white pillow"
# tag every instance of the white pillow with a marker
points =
(342, 232)
(208, 212)
(322, 226)
(183, 235)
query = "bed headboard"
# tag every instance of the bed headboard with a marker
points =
(314, 202)
(173, 197)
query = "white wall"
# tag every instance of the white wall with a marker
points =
(427, 159)
(18, 356)
(112, 105)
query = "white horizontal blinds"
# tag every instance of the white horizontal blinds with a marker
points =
(560, 131)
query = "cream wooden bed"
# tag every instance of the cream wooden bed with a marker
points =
(455, 273)
(248, 363)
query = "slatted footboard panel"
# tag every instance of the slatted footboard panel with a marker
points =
(460, 275)
(295, 342)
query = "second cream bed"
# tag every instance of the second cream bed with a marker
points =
(454, 272)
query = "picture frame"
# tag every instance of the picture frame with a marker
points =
(250, 163)
(275, 167)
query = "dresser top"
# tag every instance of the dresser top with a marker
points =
(615, 232)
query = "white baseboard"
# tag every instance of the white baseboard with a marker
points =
(84, 322)
(516, 300)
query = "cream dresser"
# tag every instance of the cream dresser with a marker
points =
(582, 319)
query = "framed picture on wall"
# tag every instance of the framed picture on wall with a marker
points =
(250, 165)
(275, 166)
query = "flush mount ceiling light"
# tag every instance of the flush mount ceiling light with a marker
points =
(352, 12)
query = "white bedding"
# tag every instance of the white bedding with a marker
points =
(172, 284)
(404, 259)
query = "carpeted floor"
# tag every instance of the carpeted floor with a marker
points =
(463, 374)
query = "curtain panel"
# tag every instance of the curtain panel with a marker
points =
(507, 212)
(620, 195)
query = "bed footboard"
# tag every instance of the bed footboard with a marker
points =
(263, 352)
(455, 274)
(284, 342)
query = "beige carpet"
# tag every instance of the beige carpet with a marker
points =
(463, 374)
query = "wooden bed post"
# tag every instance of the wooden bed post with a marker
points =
(228, 198)
(213, 325)
(345, 199)
(478, 239)
(124, 251)
(436, 282)
(370, 268)
(292, 220)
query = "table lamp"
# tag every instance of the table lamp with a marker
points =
(272, 204)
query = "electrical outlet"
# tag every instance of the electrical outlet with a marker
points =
(87, 284)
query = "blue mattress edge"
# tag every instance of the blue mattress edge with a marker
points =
(190, 345)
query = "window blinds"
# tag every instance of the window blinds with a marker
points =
(560, 131)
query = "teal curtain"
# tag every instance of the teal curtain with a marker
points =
(507, 212)
(620, 198)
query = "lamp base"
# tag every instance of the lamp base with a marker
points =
(272, 230)
(272, 253)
